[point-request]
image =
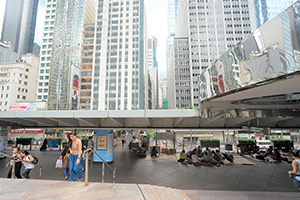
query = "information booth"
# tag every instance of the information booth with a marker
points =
(104, 145)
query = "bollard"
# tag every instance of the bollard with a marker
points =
(103, 168)
(114, 175)
(13, 169)
(86, 171)
(41, 173)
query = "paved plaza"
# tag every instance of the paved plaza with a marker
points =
(261, 178)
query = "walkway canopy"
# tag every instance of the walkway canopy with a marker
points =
(152, 119)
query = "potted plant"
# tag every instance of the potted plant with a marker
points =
(210, 142)
(244, 141)
(285, 144)
(24, 140)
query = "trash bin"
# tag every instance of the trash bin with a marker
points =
(228, 147)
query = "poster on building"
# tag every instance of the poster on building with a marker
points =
(31, 106)
(101, 142)
(75, 89)
(74, 99)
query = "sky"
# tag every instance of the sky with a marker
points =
(156, 11)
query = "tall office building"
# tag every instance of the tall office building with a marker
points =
(19, 25)
(120, 66)
(214, 26)
(59, 75)
(179, 72)
(153, 69)
(172, 17)
(87, 67)
(267, 9)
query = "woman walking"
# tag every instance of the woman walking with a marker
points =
(75, 158)
(18, 164)
(28, 167)
(296, 169)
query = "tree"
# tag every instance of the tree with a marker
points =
(190, 107)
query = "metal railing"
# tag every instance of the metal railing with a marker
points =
(103, 168)
(42, 167)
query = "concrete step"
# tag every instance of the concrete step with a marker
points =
(159, 192)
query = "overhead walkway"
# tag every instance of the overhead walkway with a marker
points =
(140, 119)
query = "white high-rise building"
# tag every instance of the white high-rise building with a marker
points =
(120, 74)
(46, 50)
(153, 69)
(18, 81)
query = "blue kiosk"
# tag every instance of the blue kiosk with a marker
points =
(104, 145)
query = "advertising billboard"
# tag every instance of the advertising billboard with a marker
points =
(31, 106)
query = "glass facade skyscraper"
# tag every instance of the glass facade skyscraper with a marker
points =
(172, 17)
(59, 73)
(267, 9)
(19, 25)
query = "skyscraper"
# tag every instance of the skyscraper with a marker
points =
(267, 9)
(120, 66)
(19, 25)
(212, 27)
(59, 75)
(172, 17)
(153, 69)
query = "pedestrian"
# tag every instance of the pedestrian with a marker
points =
(65, 156)
(123, 139)
(18, 164)
(75, 164)
(296, 169)
(28, 166)
(90, 146)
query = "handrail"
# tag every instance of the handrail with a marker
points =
(14, 160)
(103, 167)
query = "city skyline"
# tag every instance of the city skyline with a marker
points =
(157, 26)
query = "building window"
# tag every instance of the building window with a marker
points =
(39, 97)
(24, 97)
(40, 84)
(18, 96)
(41, 78)
(7, 87)
(45, 97)
(45, 90)
(6, 95)
(25, 83)
(46, 77)
(26, 76)
(46, 83)
(40, 90)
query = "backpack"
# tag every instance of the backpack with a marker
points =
(35, 161)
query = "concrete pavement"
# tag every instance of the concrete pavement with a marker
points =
(195, 181)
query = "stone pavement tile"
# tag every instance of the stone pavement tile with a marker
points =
(258, 176)
(233, 176)
(252, 180)
(241, 186)
(15, 195)
(210, 175)
(221, 184)
(275, 186)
